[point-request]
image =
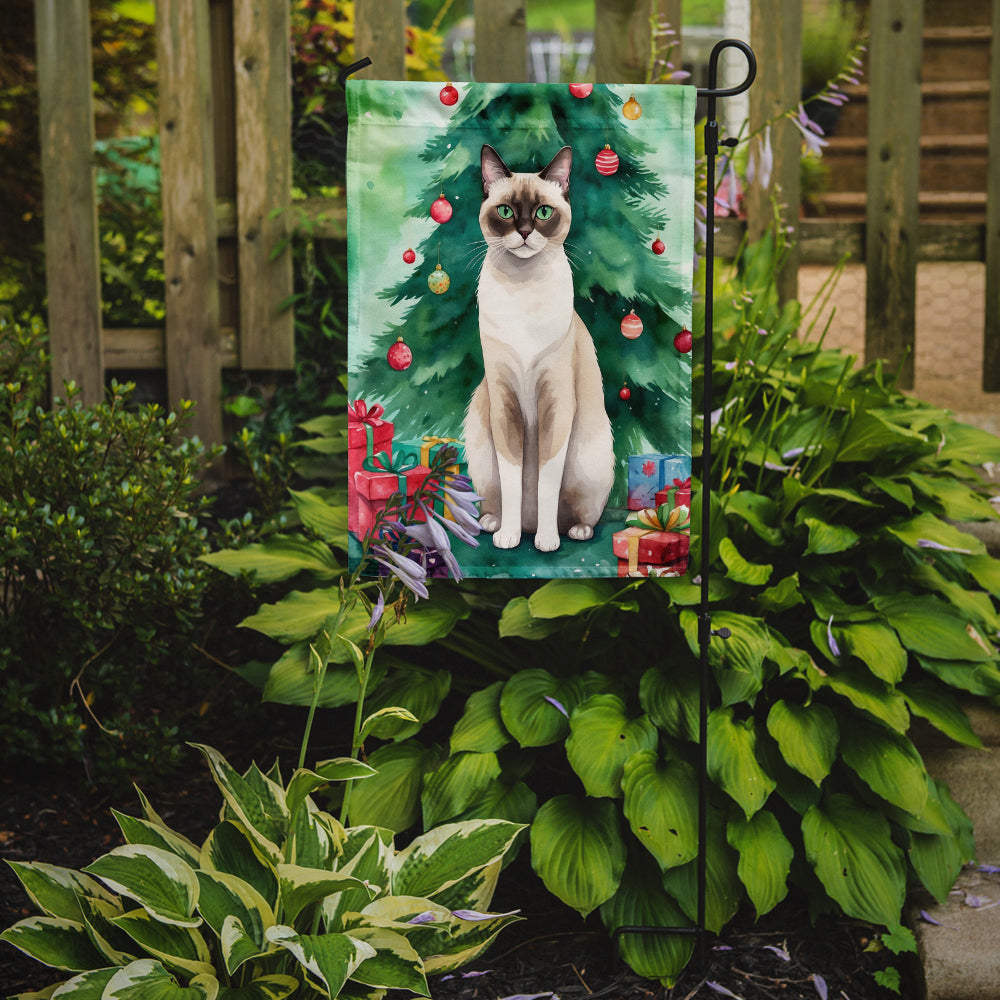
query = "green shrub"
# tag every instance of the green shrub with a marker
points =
(101, 584)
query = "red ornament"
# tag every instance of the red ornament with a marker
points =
(606, 161)
(658, 246)
(441, 210)
(448, 95)
(581, 89)
(683, 341)
(624, 393)
(631, 326)
(399, 356)
(409, 256)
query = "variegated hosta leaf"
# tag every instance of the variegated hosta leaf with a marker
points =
(147, 979)
(225, 897)
(807, 736)
(732, 760)
(86, 986)
(230, 849)
(158, 880)
(467, 941)
(315, 838)
(116, 946)
(367, 853)
(456, 784)
(535, 706)
(177, 947)
(578, 851)
(256, 801)
(481, 727)
(395, 964)
(441, 857)
(476, 890)
(661, 800)
(300, 887)
(141, 831)
(56, 891)
(328, 959)
(850, 847)
(765, 858)
(55, 941)
(642, 902)
(602, 737)
(274, 987)
(304, 782)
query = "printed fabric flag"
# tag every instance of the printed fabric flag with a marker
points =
(520, 272)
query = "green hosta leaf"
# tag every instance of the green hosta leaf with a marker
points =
(301, 887)
(56, 891)
(181, 948)
(758, 511)
(765, 858)
(850, 848)
(937, 859)
(159, 881)
(931, 628)
(527, 711)
(641, 901)
(975, 605)
(516, 803)
(671, 699)
(386, 723)
(391, 798)
(783, 595)
(147, 979)
(738, 569)
(602, 738)
(888, 763)
(481, 728)
(876, 646)
(456, 784)
(827, 539)
(893, 488)
(578, 851)
(230, 849)
(870, 436)
(866, 692)
(330, 959)
(517, 620)
(807, 736)
(738, 661)
(928, 528)
(263, 812)
(54, 941)
(279, 558)
(415, 689)
(292, 679)
(661, 799)
(732, 760)
(986, 571)
(941, 709)
(559, 598)
(723, 889)
(395, 964)
(443, 856)
(976, 678)
(226, 898)
(141, 831)
(965, 443)
(274, 987)
(325, 519)
(957, 501)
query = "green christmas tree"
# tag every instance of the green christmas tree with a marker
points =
(617, 218)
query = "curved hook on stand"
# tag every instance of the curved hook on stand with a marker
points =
(353, 68)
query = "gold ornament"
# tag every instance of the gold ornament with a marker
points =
(632, 109)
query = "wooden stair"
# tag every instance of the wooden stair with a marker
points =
(955, 95)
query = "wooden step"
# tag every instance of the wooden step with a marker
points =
(956, 53)
(945, 12)
(956, 206)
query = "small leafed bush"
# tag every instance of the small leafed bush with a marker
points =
(99, 574)
(280, 899)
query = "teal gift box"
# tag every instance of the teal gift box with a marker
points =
(428, 447)
(648, 474)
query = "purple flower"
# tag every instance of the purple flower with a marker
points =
(761, 162)
(552, 701)
(834, 648)
(927, 543)
(811, 132)
(377, 611)
(719, 988)
(475, 915)
(780, 952)
(434, 538)
(410, 573)
(820, 983)
(427, 917)
(461, 503)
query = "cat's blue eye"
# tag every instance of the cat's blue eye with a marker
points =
(544, 212)
(505, 211)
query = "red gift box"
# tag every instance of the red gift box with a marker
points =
(380, 478)
(367, 435)
(644, 545)
(677, 568)
(681, 489)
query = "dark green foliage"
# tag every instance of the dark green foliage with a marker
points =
(101, 587)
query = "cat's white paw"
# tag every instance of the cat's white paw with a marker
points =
(581, 532)
(545, 542)
(489, 522)
(506, 538)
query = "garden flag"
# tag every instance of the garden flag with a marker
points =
(520, 269)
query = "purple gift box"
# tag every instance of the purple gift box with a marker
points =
(648, 474)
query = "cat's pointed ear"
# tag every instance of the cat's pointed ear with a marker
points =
(558, 170)
(494, 169)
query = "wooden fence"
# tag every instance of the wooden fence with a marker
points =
(226, 162)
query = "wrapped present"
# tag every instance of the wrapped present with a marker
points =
(677, 568)
(678, 494)
(428, 448)
(367, 435)
(648, 474)
(655, 536)
(379, 478)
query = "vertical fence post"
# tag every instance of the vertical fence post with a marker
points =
(262, 61)
(893, 183)
(776, 34)
(72, 256)
(190, 251)
(623, 37)
(501, 41)
(380, 34)
(991, 332)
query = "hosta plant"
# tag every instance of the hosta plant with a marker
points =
(279, 900)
